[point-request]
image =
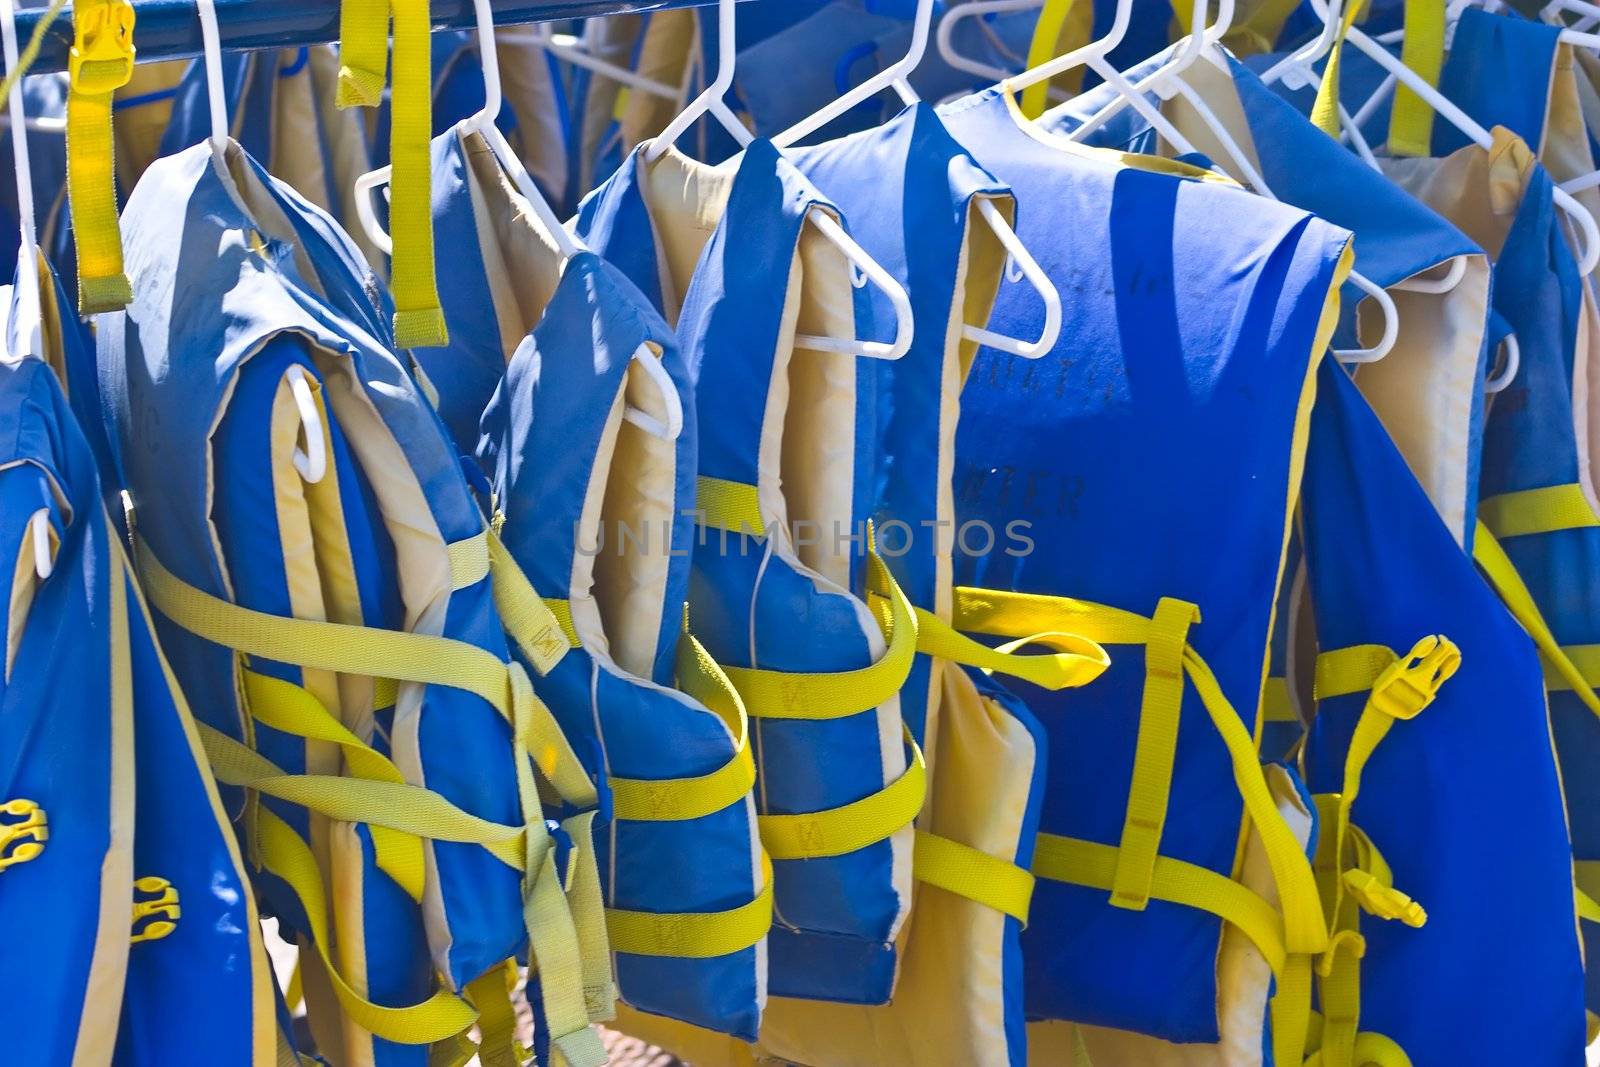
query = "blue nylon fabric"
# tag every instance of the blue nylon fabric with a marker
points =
(182, 223)
(55, 722)
(1529, 442)
(746, 604)
(1498, 71)
(1490, 863)
(549, 420)
(1185, 357)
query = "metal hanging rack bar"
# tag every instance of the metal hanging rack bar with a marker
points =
(170, 29)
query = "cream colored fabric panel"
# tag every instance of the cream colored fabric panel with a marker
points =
(665, 56)
(345, 137)
(1478, 189)
(592, 528)
(1423, 389)
(262, 206)
(296, 140)
(817, 469)
(1586, 396)
(1217, 91)
(686, 199)
(139, 129)
(1243, 983)
(947, 1007)
(630, 587)
(611, 39)
(525, 80)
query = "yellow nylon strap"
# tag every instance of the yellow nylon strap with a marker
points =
(1077, 661)
(1088, 863)
(418, 318)
(1154, 752)
(441, 1016)
(1537, 511)
(730, 506)
(1276, 705)
(845, 829)
(469, 561)
(364, 650)
(556, 953)
(100, 63)
(794, 695)
(291, 709)
(562, 610)
(490, 994)
(1588, 908)
(1497, 567)
(1291, 1010)
(587, 905)
(1583, 658)
(363, 52)
(997, 884)
(1042, 49)
(694, 935)
(1325, 111)
(543, 634)
(408, 809)
(1350, 670)
(1008, 614)
(1371, 883)
(1411, 117)
(1586, 875)
(678, 799)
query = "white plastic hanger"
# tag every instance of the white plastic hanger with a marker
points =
(575, 50)
(865, 269)
(1166, 81)
(312, 462)
(894, 76)
(944, 37)
(1445, 109)
(27, 325)
(567, 244)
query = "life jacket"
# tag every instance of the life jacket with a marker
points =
(360, 629)
(1186, 353)
(99, 748)
(1417, 693)
(916, 193)
(595, 511)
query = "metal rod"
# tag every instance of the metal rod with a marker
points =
(170, 29)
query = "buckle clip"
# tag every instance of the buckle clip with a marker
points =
(101, 59)
(162, 907)
(24, 840)
(1410, 683)
(1383, 901)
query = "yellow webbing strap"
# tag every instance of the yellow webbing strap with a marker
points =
(845, 829)
(1041, 49)
(1588, 908)
(469, 560)
(1586, 876)
(1087, 863)
(441, 1016)
(1325, 111)
(291, 709)
(1411, 117)
(407, 809)
(363, 52)
(677, 799)
(100, 63)
(995, 883)
(694, 935)
(490, 993)
(731, 506)
(346, 649)
(1497, 567)
(587, 906)
(562, 610)
(1276, 704)
(1077, 661)
(1003, 613)
(529, 619)
(1154, 752)
(1537, 511)
(363, 46)
(1585, 659)
(794, 695)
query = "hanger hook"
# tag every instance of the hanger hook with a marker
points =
(710, 101)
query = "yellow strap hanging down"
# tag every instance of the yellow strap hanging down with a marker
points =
(1325, 111)
(100, 63)
(1043, 47)
(363, 26)
(1411, 117)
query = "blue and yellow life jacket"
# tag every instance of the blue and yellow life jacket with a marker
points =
(1424, 682)
(785, 462)
(594, 510)
(917, 195)
(109, 806)
(359, 678)
(1187, 352)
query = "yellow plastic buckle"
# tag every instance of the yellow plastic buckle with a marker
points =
(162, 907)
(1383, 901)
(1410, 683)
(101, 60)
(23, 840)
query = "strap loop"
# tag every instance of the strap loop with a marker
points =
(968, 872)
(851, 827)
